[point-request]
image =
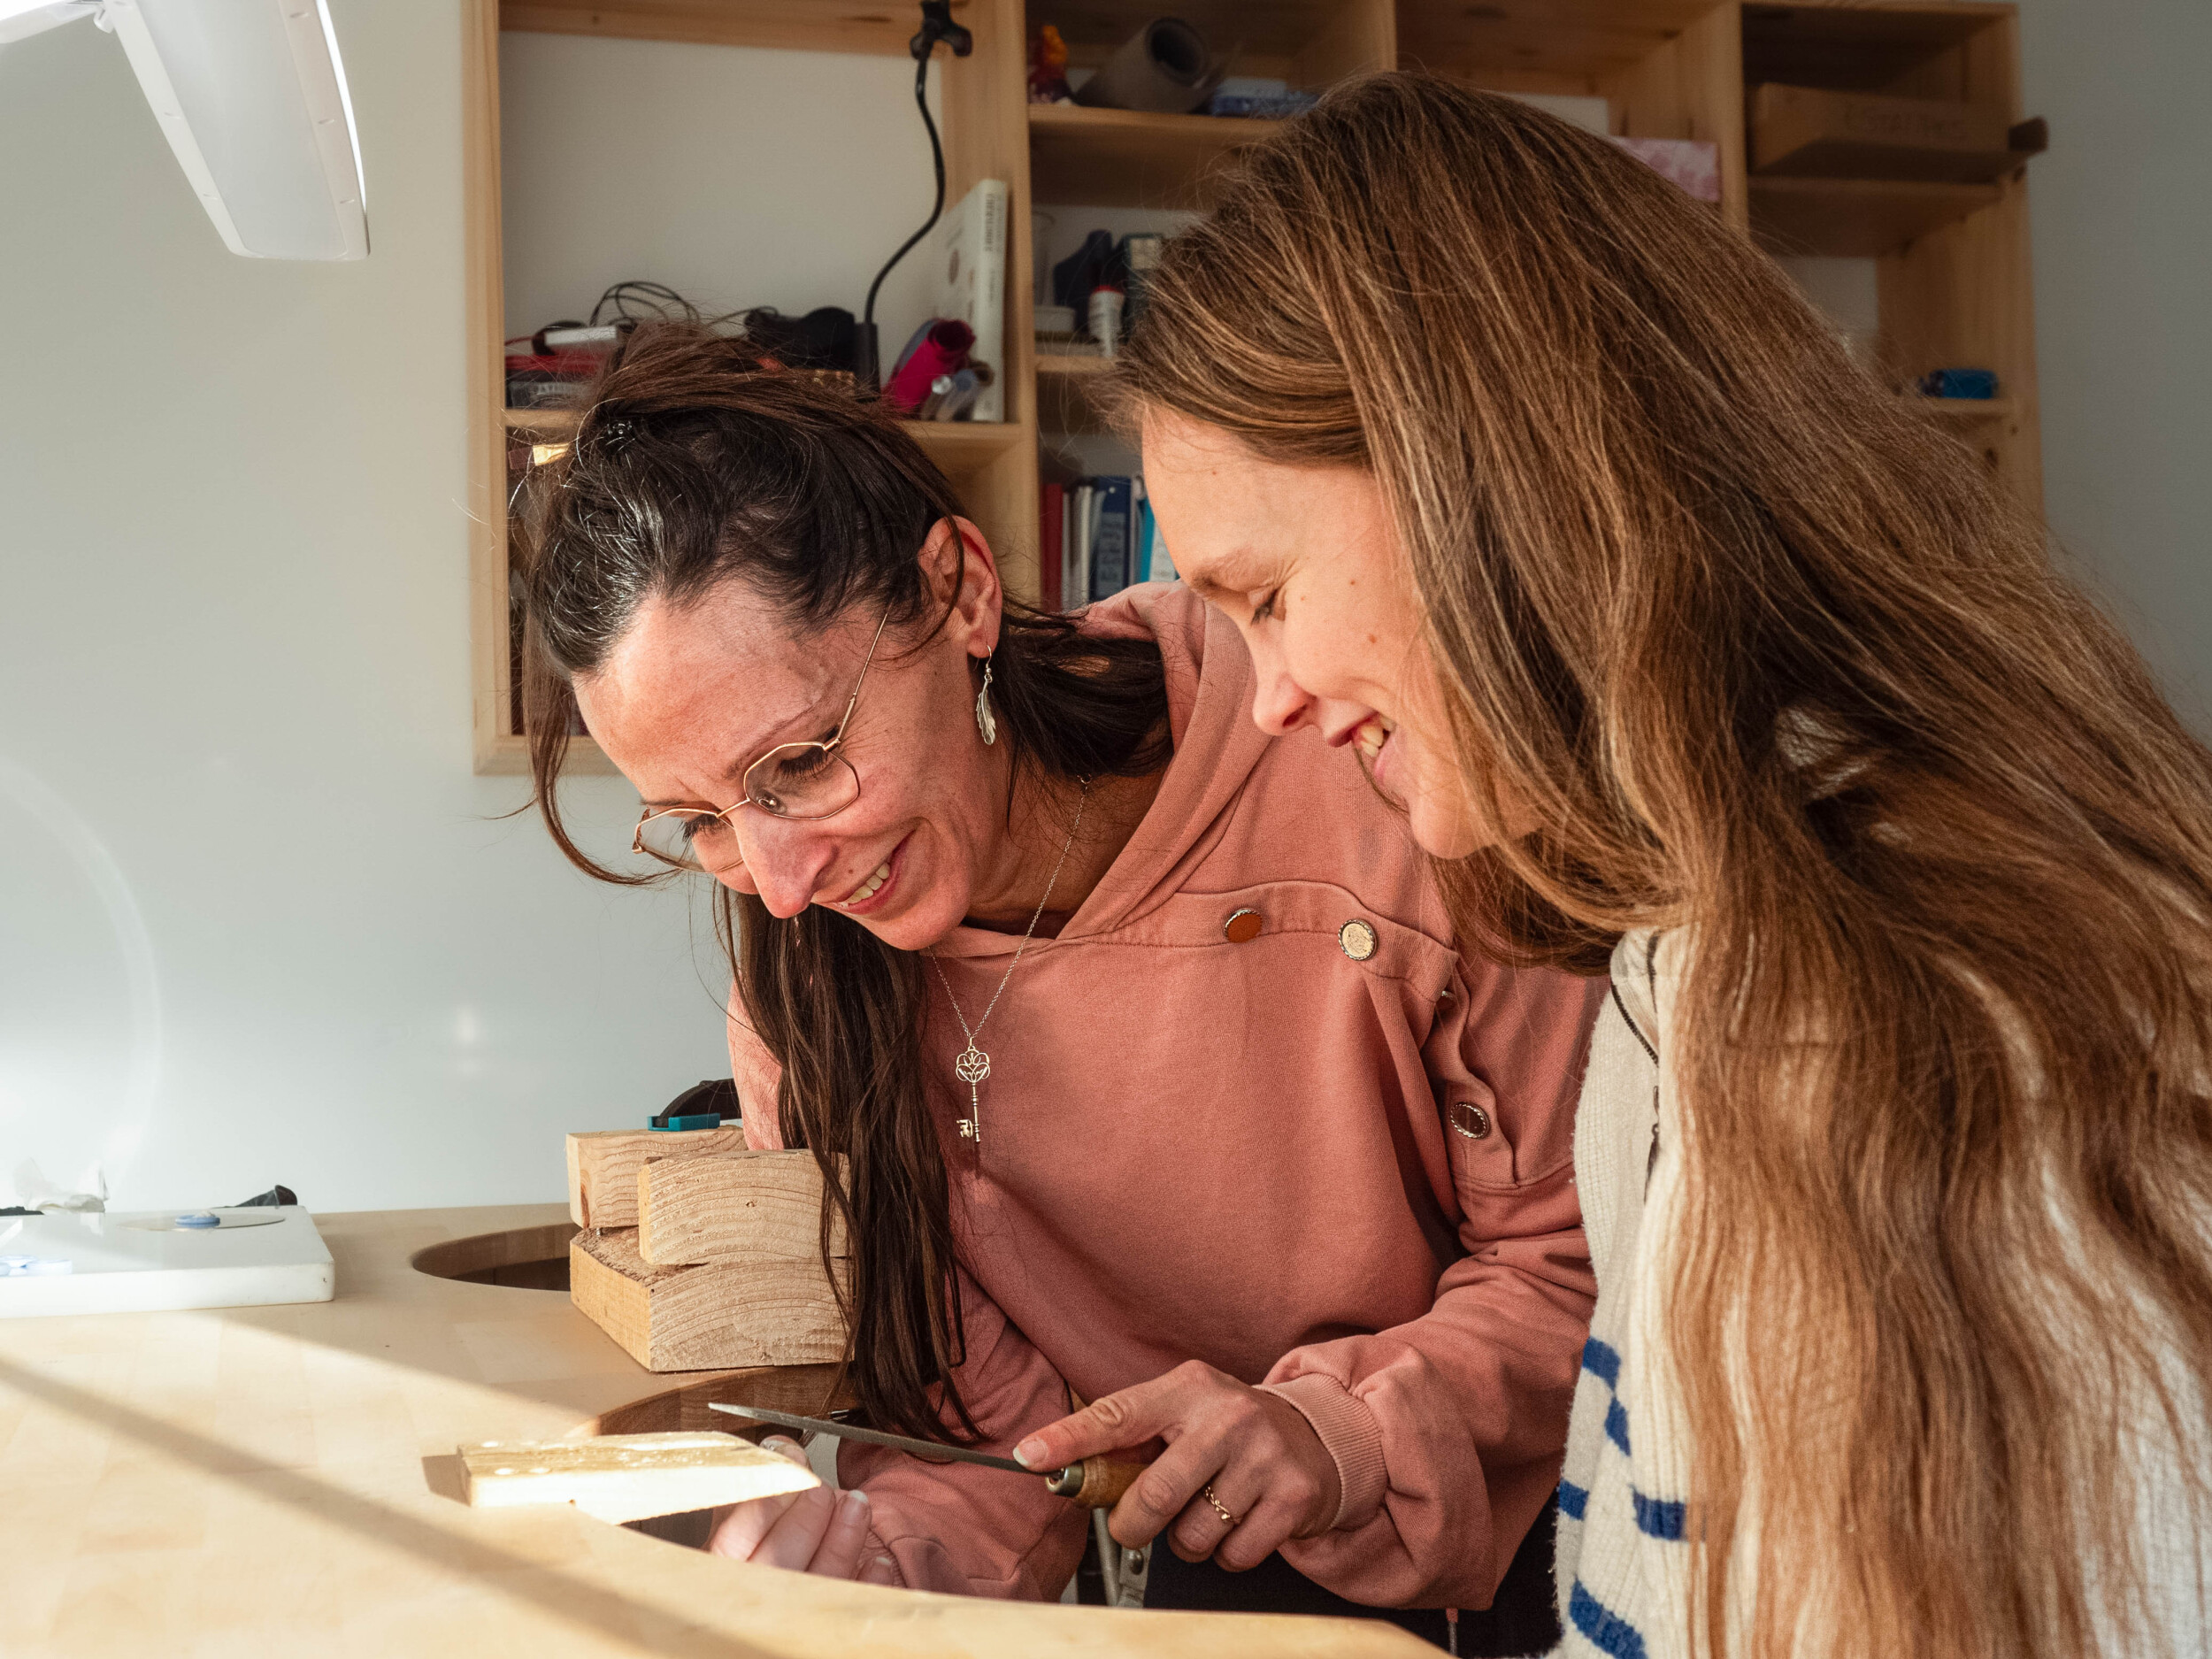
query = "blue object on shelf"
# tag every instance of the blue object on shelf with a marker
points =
(1975, 383)
(1279, 106)
(199, 1218)
(707, 1105)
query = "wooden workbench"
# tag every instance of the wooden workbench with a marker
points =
(279, 1480)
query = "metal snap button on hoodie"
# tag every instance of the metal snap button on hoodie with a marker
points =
(1469, 1119)
(1242, 926)
(1358, 939)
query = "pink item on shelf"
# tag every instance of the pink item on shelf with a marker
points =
(944, 350)
(1691, 163)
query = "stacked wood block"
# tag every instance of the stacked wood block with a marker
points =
(697, 1255)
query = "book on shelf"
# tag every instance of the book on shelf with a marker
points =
(971, 285)
(1110, 537)
(1139, 257)
(1106, 537)
(1052, 506)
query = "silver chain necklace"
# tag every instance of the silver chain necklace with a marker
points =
(973, 1065)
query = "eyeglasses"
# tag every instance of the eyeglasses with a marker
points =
(792, 780)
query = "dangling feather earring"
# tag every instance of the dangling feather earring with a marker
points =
(986, 722)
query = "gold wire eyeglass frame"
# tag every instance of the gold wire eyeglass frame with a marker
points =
(752, 794)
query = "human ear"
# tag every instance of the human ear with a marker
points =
(957, 553)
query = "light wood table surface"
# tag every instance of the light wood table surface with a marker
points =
(278, 1481)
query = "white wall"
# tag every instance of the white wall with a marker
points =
(2123, 237)
(257, 920)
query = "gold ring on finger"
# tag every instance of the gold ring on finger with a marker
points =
(1220, 1508)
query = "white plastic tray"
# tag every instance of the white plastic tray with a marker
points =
(132, 1263)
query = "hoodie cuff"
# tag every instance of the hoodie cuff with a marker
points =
(1348, 1429)
(874, 1548)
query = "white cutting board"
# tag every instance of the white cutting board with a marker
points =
(143, 1263)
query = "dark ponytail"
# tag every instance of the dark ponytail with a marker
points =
(696, 464)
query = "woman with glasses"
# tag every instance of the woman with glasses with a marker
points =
(1137, 1043)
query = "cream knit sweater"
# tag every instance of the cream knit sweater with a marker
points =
(1622, 1566)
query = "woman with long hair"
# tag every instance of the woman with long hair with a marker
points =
(1698, 657)
(1134, 1045)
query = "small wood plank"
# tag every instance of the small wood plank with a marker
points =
(628, 1477)
(747, 1209)
(704, 1318)
(603, 1165)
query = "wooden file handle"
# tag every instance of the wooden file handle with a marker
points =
(1096, 1483)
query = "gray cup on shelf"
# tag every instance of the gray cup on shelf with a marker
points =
(1165, 67)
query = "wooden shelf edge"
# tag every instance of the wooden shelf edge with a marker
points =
(960, 443)
(1133, 157)
(1078, 120)
(1965, 408)
(963, 445)
(1069, 365)
(540, 420)
(507, 755)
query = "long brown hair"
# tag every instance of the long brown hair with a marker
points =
(1772, 661)
(695, 465)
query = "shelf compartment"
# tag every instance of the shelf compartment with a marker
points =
(819, 26)
(1539, 45)
(1129, 158)
(1307, 43)
(1857, 218)
(1898, 50)
(1064, 385)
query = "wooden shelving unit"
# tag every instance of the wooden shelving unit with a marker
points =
(1952, 259)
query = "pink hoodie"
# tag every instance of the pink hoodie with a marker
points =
(1241, 1153)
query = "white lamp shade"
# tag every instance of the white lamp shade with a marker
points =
(252, 98)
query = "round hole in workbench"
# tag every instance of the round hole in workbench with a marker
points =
(521, 1258)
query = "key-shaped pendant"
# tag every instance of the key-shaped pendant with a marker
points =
(972, 1067)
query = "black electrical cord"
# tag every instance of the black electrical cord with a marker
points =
(937, 156)
(654, 299)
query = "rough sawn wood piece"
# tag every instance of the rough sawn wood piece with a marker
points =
(704, 1318)
(745, 1207)
(603, 1165)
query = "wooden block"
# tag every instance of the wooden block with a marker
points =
(603, 1165)
(628, 1477)
(736, 1207)
(718, 1317)
(1812, 133)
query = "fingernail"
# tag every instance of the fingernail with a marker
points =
(855, 1502)
(1029, 1453)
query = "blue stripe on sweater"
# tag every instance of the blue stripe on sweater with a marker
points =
(1573, 1499)
(1601, 1361)
(1660, 1517)
(1606, 1630)
(1616, 1426)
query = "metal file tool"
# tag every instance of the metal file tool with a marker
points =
(1096, 1483)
